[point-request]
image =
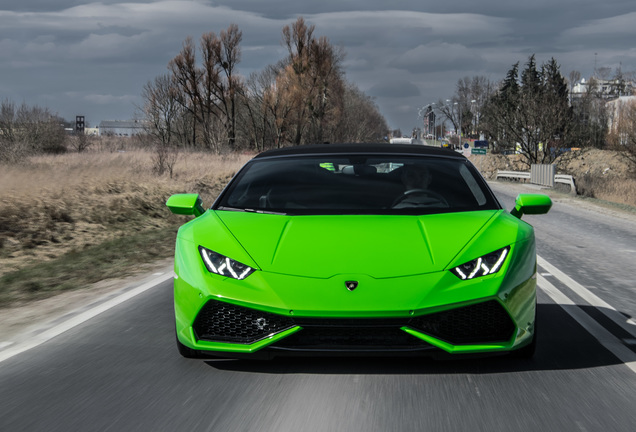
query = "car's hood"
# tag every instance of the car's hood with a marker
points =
(377, 246)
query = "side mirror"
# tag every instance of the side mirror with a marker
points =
(186, 204)
(531, 204)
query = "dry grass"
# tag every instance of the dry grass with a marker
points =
(55, 206)
(608, 189)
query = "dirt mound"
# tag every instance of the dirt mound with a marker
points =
(489, 164)
(601, 174)
(595, 162)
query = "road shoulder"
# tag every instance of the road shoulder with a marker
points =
(21, 322)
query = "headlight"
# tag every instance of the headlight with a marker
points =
(482, 266)
(224, 266)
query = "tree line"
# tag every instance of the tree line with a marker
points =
(31, 130)
(28, 130)
(532, 112)
(203, 102)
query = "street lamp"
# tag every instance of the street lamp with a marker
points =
(446, 116)
(434, 121)
(423, 113)
(459, 137)
(474, 122)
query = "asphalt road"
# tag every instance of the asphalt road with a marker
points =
(120, 371)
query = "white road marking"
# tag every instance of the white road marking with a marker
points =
(607, 339)
(5, 344)
(589, 297)
(80, 318)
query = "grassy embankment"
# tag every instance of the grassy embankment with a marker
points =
(70, 220)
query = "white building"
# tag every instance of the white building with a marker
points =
(121, 128)
(615, 108)
(607, 89)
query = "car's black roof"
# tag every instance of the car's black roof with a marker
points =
(395, 149)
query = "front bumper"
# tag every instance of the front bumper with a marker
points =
(224, 329)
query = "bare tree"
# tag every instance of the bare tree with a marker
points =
(163, 117)
(590, 117)
(28, 130)
(360, 120)
(622, 136)
(574, 77)
(252, 113)
(268, 105)
(80, 142)
(464, 109)
(210, 92)
(162, 110)
(164, 158)
(314, 80)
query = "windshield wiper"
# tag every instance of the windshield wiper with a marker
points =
(249, 210)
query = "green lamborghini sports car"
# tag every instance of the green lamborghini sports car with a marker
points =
(355, 249)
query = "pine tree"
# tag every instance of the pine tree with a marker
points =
(531, 114)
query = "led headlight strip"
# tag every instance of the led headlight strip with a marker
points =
(224, 266)
(482, 266)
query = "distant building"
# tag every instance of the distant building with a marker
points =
(124, 128)
(616, 108)
(607, 89)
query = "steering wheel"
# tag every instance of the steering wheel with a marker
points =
(437, 199)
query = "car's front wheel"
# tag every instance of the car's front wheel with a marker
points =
(527, 352)
(186, 351)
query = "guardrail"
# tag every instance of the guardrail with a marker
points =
(566, 179)
(513, 174)
(523, 175)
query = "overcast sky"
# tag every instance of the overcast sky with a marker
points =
(92, 59)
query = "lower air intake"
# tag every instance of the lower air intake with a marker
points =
(486, 322)
(225, 322)
(351, 334)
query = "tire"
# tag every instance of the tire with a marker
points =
(527, 352)
(187, 352)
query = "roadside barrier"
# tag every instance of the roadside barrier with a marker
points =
(513, 174)
(566, 179)
(540, 174)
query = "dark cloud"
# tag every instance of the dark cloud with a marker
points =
(96, 56)
(394, 89)
(439, 56)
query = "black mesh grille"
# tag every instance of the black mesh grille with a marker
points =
(479, 323)
(225, 322)
(351, 333)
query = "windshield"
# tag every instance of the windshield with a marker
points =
(357, 185)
